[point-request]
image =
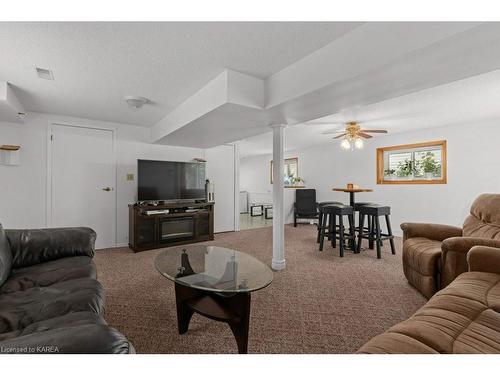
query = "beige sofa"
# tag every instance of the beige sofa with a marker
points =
(464, 317)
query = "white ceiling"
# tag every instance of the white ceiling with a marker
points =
(466, 101)
(374, 62)
(395, 75)
(96, 64)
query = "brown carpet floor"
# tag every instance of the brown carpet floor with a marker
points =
(321, 303)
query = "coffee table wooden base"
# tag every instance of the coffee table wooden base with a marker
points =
(232, 308)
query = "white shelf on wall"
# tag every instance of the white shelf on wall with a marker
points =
(9, 154)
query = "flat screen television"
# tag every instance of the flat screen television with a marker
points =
(170, 180)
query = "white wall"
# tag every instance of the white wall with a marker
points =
(23, 187)
(473, 164)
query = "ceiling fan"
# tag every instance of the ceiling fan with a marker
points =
(353, 135)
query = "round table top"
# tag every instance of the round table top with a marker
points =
(353, 190)
(213, 268)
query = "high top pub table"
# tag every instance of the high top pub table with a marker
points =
(214, 282)
(352, 191)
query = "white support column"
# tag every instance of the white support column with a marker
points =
(278, 262)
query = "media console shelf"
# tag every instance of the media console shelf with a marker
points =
(184, 223)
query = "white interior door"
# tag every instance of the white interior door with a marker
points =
(220, 171)
(82, 180)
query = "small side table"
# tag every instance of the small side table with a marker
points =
(254, 206)
(268, 209)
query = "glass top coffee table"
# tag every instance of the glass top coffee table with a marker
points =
(215, 282)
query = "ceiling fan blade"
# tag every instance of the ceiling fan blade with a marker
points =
(333, 132)
(364, 135)
(374, 131)
(324, 123)
(339, 136)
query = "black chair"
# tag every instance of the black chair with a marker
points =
(305, 206)
(329, 230)
(373, 213)
(322, 218)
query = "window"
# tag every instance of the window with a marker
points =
(290, 172)
(419, 163)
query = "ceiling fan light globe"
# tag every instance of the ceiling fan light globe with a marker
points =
(345, 144)
(358, 143)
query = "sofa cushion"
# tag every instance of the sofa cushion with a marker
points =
(20, 309)
(63, 321)
(5, 256)
(35, 246)
(49, 273)
(79, 332)
(395, 343)
(462, 318)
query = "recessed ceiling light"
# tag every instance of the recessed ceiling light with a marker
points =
(44, 73)
(136, 102)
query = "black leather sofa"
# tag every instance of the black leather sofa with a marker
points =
(50, 300)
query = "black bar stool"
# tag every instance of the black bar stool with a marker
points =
(373, 212)
(357, 205)
(321, 216)
(329, 230)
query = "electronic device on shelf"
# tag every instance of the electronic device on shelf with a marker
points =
(156, 212)
(159, 181)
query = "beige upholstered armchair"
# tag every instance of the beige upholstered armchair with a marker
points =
(435, 254)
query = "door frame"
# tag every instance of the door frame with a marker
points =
(48, 202)
(236, 186)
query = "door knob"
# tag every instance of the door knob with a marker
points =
(107, 188)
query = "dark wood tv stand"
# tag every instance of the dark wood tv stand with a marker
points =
(184, 223)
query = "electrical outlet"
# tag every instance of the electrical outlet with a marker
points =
(130, 177)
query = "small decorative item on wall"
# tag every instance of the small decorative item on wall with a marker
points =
(291, 177)
(9, 154)
(418, 163)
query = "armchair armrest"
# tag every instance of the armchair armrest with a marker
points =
(35, 246)
(437, 232)
(454, 255)
(484, 259)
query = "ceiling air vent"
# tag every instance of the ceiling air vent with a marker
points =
(45, 74)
